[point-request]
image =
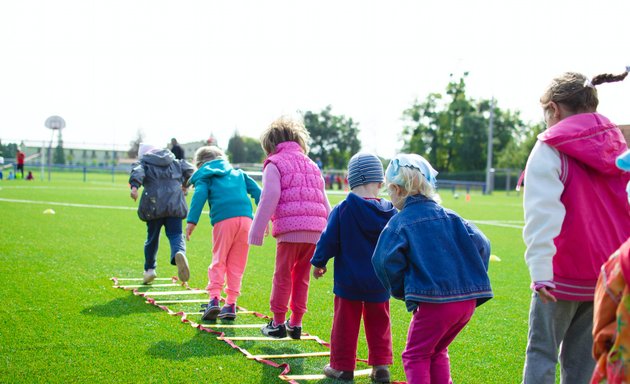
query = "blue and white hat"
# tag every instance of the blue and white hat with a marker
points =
(410, 160)
(364, 168)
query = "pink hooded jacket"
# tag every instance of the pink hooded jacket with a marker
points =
(597, 217)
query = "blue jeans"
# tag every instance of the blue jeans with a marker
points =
(173, 229)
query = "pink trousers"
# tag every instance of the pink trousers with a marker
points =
(290, 281)
(432, 329)
(345, 333)
(229, 257)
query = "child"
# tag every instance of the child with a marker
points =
(435, 261)
(576, 215)
(350, 237)
(162, 205)
(293, 197)
(611, 331)
(225, 189)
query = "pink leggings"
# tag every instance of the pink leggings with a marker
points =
(432, 329)
(290, 281)
(229, 257)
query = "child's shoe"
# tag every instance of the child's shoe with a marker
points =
(339, 375)
(276, 331)
(380, 374)
(293, 332)
(228, 312)
(149, 276)
(212, 310)
(183, 272)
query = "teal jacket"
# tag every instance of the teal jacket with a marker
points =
(225, 189)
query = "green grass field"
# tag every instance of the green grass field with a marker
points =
(61, 320)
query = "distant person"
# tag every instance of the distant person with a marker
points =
(319, 163)
(294, 199)
(435, 261)
(1, 167)
(177, 150)
(350, 238)
(576, 215)
(20, 157)
(162, 205)
(29, 176)
(226, 191)
(611, 321)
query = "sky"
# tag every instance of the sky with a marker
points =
(188, 69)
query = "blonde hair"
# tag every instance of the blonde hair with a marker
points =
(284, 129)
(576, 92)
(208, 153)
(413, 182)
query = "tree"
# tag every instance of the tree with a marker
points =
(253, 150)
(58, 156)
(242, 149)
(236, 149)
(132, 153)
(334, 138)
(452, 132)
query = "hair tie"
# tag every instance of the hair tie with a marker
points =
(587, 83)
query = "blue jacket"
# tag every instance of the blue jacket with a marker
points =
(225, 189)
(162, 177)
(428, 253)
(350, 237)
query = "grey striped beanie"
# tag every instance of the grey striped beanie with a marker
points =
(364, 168)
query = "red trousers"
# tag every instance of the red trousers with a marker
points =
(290, 280)
(345, 333)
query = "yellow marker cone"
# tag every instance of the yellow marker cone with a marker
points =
(49, 212)
(494, 258)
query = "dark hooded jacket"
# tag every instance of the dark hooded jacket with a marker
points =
(162, 177)
(354, 226)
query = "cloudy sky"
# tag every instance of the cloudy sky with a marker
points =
(188, 68)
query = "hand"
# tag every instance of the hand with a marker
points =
(318, 272)
(134, 193)
(185, 190)
(546, 296)
(190, 227)
(267, 230)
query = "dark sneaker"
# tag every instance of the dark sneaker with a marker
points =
(380, 374)
(339, 375)
(278, 332)
(183, 272)
(212, 310)
(293, 332)
(228, 312)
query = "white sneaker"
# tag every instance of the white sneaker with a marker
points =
(183, 272)
(149, 276)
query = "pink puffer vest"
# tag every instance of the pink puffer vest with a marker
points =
(302, 204)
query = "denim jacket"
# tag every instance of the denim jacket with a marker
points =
(427, 253)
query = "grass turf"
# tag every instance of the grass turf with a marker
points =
(62, 322)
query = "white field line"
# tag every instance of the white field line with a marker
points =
(496, 223)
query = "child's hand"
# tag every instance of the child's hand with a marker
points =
(318, 272)
(267, 230)
(185, 190)
(546, 296)
(134, 193)
(190, 227)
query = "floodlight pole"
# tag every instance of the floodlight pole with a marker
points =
(489, 169)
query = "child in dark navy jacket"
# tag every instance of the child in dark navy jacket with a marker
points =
(353, 229)
(435, 261)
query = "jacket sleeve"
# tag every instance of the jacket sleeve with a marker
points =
(202, 192)
(329, 244)
(136, 178)
(187, 171)
(253, 189)
(544, 212)
(390, 262)
(480, 240)
(269, 198)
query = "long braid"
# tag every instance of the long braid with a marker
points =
(608, 78)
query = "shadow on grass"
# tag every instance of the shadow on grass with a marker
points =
(119, 307)
(202, 344)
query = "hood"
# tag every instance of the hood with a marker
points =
(161, 157)
(589, 138)
(216, 167)
(371, 215)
